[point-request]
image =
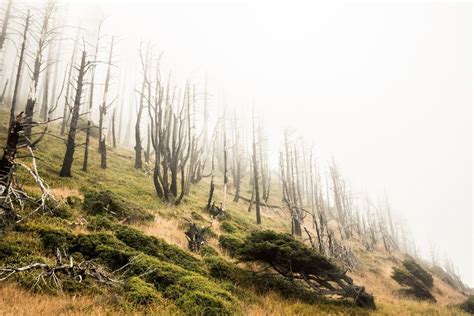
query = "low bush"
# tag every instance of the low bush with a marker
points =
(106, 203)
(207, 251)
(230, 243)
(262, 283)
(204, 303)
(139, 292)
(55, 238)
(158, 248)
(416, 270)
(228, 227)
(412, 285)
(468, 305)
(185, 287)
(98, 223)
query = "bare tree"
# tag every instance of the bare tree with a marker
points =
(114, 139)
(46, 35)
(256, 188)
(67, 107)
(103, 112)
(145, 58)
(85, 161)
(6, 19)
(237, 159)
(3, 37)
(20, 65)
(71, 137)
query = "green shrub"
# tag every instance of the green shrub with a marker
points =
(261, 282)
(204, 303)
(413, 286)
(221, 269)
(197, 217)
(230, 243)
(115, 258)
(60, 210)
(19, 249)
(73, 201)
(158, 248)
(97, 223)
(207, 251)
(416, 270)
(139, 292)
(54, 238)
(468, 305)
(285, 253)
(228, 227)
(106, 203)
(176, 282)
(90, 245)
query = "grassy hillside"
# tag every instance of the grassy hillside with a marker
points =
(167, 278)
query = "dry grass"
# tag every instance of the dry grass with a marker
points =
(168, 229)
(131, 184)
(16, 301)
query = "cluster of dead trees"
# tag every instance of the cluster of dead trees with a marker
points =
(171, 132)
(38, 42)
(326, 211)
(175, 149)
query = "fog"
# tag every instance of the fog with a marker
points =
(385, 89)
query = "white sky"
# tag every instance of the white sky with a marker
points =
(385, 88)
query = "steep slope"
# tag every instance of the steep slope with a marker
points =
(170, 256)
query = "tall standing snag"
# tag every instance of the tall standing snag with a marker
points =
(71, 138)
(256, 190)
(103, 112)
(44, 39)
(20, 65)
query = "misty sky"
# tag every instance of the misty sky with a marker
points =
(385, 88)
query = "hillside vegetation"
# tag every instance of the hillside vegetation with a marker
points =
(130, 253)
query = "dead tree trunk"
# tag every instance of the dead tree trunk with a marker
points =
(85, 162)
(67, 110)
(20, 65)
(44, 103)
(103, 112)
(114, 140)
(211, 186)
(237, 160)
(44, 39)
(226, 178)
(7, 160)
(138, 141)
(255, 174)
(71, 138)
(6, 19)
(147, 152)
(3, 36)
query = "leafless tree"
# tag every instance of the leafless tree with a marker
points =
(103, 109)
(145, 58)
(255, 184)
(44, 37)
(85, 161)
(67, 107)
(84, 66)
(26, 27)
(6, 19)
